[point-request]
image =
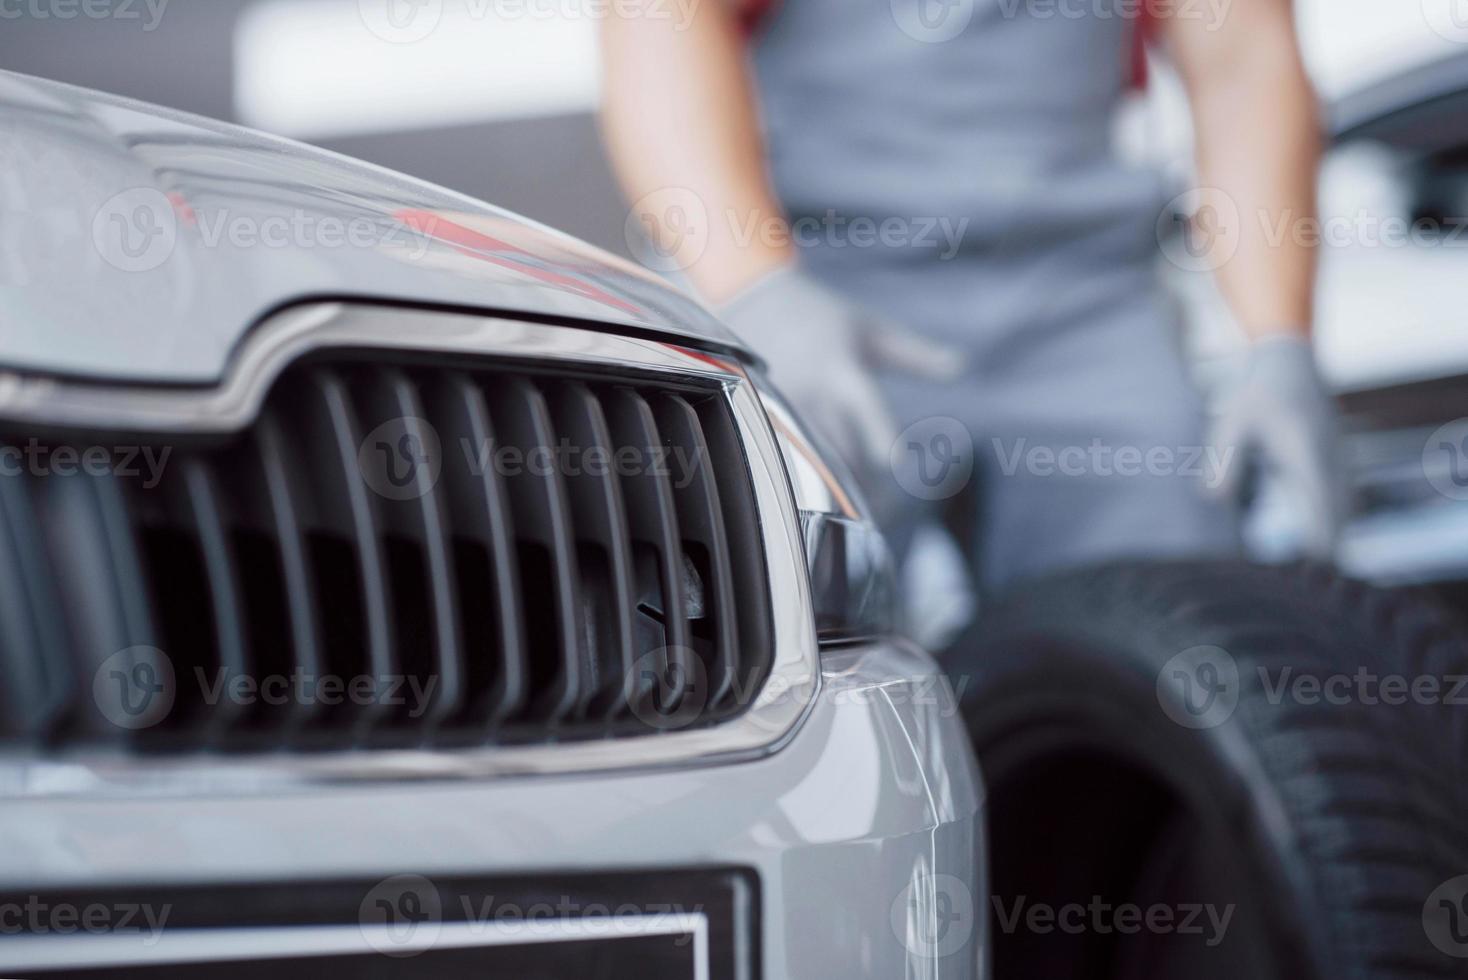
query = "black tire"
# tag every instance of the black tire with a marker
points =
(1325, 826)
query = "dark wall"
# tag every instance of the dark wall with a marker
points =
(551, 169)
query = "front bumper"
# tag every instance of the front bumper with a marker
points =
(862, 832)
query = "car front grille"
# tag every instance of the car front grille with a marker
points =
(397, 550)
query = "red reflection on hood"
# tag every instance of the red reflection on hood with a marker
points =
(486, 248)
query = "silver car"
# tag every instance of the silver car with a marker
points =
(388, 579)
(395, 587)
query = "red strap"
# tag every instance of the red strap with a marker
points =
(753, 13)
(1146, 30)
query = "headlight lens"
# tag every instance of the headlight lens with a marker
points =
(853, 586)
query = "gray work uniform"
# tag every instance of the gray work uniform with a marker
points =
(968, 189)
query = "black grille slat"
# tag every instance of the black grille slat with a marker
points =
(420, 571)
(100, 582)
(582, 560)
(542, 521)
(480, 514)
(126, 560)
(606, 548)
(726, 456)
(653, 524)
(225, 598)
(344, 506)
(281, 497)
(32, 644)
(701, 522)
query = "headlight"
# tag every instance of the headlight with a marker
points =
(853, 586)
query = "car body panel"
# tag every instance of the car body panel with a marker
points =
(865, 829)
(140, 243)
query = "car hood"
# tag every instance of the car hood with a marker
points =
(140, 243)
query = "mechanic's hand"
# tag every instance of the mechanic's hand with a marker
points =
(821, 350)
(1281, 414)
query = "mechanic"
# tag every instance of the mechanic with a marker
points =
(948, 165)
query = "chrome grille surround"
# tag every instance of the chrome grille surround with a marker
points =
(285, 338)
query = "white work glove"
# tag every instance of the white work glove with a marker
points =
(1280, 414)
(821, 350)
